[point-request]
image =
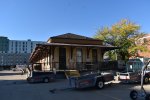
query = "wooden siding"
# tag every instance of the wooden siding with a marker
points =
(72, 62)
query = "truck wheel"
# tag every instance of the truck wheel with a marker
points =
(147, 97)
(31, 80)
(100, 84)
(45, 80)
(133, 95)
(146, 80)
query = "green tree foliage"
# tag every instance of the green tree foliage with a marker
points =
(123, 34)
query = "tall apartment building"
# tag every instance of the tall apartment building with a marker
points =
(4, 42)
(16, 52)
(18, 46)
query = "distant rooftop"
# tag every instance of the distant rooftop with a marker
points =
(146, 36)
(3, 37)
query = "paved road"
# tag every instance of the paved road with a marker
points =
(13, 86)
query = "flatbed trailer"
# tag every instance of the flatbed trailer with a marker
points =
(92, 79)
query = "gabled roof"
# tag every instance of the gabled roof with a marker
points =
(72, 36)
(73, 39)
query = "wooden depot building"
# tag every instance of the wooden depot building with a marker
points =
(69, 51)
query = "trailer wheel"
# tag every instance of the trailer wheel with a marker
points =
(147, 97)
(100, 84)
(133, 95)
(45, 80)
(146, 80)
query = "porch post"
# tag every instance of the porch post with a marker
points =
(51, 58)
(44, 60)
(49, 55)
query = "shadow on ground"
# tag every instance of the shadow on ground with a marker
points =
(12, 82)
(12, 73)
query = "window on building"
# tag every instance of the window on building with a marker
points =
(79, 55)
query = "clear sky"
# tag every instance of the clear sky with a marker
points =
(41, 19)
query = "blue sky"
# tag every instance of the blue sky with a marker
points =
(41, 19)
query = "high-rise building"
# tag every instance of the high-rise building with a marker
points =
(4, 43)
(22, 46)
(16, 52)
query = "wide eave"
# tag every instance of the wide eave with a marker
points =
(44, 47)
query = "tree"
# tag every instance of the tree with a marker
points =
(125, 35)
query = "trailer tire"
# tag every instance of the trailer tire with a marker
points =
(146, 80)
(46, 80)
(100, 84)
(147, 97)
(133, 95)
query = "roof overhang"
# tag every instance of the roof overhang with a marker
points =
(42, 47)
(77, 45)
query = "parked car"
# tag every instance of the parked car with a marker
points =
(16, 69)
(40, 77)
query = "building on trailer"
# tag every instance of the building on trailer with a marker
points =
(70, 51)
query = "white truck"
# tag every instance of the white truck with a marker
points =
(133, 72)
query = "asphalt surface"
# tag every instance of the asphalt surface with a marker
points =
(13, 86)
